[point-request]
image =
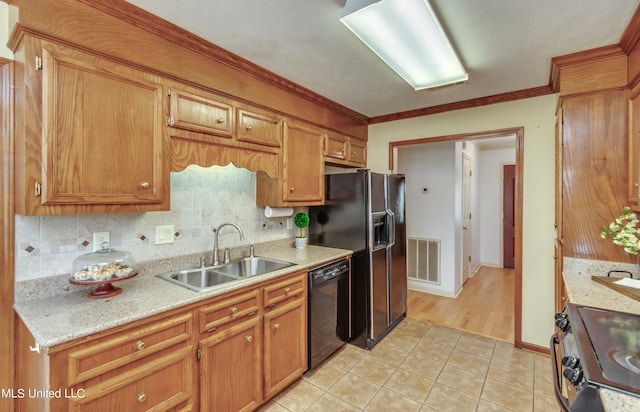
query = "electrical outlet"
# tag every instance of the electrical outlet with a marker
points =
(100, 240)
(164, 234)
(289, 223)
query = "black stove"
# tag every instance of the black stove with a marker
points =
(599, 349)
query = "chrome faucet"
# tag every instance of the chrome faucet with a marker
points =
(216, 231)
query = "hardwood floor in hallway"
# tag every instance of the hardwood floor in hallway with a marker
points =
(484, 307)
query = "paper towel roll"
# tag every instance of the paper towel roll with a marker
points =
(278, 211)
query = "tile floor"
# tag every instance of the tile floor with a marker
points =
(424, 367)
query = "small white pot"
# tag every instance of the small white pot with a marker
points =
(301, 242)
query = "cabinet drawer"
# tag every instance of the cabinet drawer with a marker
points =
(358, 152)
(285, 290)
(208, 114)
(259, 128)
(97, 357)
(158, 385)
(335, 147)
(229, 310)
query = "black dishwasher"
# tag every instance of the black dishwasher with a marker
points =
(329, 310)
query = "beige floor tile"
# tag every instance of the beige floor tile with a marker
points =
(476, 344)
(346, 357)
(507, 395)
(330, 403)
(428, 349)
(422, 366)
(512, 375)
(506, 353)
(388, 354)
(413, 327)
(324, 376)
(542, 363)
(387, 400)
(373, 370)
(354, 390)
(471, 363)
(272, 406)
(444, 398)
(543, 384)
(545, 404)
(410, 385)
(443, 336)
(486, 406)
(402, 341)
(462, 380)
(299, 396)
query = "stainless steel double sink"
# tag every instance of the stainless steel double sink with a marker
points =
(202, 279)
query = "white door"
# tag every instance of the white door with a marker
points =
(466, 217)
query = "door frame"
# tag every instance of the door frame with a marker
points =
(466, 227)
(507, 211)
(519, 133)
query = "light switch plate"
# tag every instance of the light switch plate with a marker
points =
(164, 234)
(100, 238)
(289, 223)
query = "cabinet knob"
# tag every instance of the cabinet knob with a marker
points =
(276, 326)
(291, 189)
(249, 338)
(140, 345)
(636, 184)
(286, 291)
(144, 185)
(220, 120)
(248, 128)
(234, 310)
(141, 397)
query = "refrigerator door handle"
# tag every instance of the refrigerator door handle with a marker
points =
(391, 228)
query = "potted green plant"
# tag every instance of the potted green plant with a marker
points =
(301, 220)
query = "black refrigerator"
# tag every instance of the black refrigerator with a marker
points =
(365, 212)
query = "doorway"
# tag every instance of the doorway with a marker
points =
(517, 205)
(508, 216)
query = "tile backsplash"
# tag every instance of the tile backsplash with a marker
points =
(201, 199)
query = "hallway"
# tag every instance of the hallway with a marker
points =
(484, 307)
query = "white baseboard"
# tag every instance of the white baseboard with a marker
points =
(432, 289)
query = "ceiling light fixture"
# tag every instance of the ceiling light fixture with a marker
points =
(407, 36)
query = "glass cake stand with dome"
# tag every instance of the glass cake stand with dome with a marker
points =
(102, 268)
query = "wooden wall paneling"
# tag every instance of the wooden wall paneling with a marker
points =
(7, 241)
(125, 32)
(601, 74)
(594, 181)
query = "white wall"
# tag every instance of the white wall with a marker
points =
(537, 116)
(7, 15)
(490, 172)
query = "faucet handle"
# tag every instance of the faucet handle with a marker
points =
(226, 255)
(251, 249)
(203, 262)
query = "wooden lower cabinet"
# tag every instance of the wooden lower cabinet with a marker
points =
(231, 368)
(229, 353)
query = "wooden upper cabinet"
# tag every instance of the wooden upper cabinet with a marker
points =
(89, 134)
(260, 127)
(358, 152)
(103, 135)
(201, 112)
(344, 150)
(300, 180)
(335, 146)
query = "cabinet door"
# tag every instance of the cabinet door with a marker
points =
(285, 346)
(303, 165)
(103, 136)
(231, 369)
(261, 128)
(634, 150)
(358, 152)
(200, 112)
(335, 146)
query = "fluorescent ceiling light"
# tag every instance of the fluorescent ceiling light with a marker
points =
(407, 36)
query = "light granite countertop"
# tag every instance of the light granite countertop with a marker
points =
(56, 312)
(584, 291)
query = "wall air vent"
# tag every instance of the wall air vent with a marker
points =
(423, 260)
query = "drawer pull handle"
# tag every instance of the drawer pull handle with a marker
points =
(234, 310)
(220, 120)
(276, 326)
(270, 305)
(140, 345)
(144, 185)
(211, 330)
(141, 397)
(249, 338)
(287, 290)
(251, 314)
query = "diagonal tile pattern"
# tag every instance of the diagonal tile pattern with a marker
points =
(423, 367)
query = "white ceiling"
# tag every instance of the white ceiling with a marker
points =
(505, 45)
